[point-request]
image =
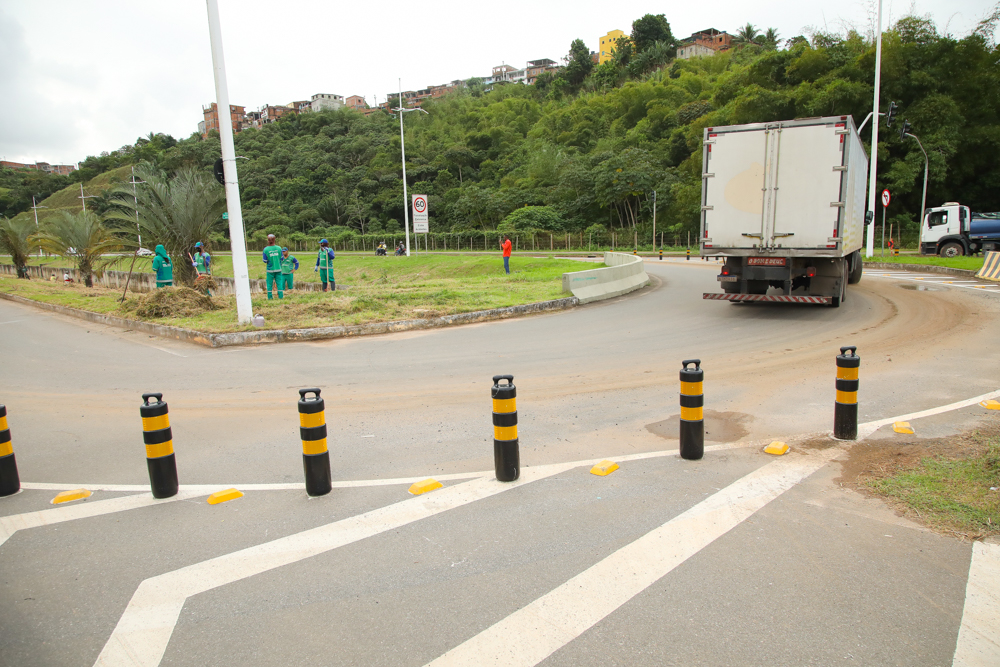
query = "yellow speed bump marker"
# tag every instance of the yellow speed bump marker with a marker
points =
(777, 448)
(69, 496)
(604, 468)
(991, 404)
(424, 486)
(902, 427)
(224, 496)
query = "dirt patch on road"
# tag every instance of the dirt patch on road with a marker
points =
(942, 483)
(719, 426)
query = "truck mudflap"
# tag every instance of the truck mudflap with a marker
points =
(775, 298)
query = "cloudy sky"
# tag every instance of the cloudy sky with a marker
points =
(78, 77)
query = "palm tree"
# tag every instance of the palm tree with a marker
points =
(769, 40)
(15, 240)
(81, 238)
(176, 211)
(748, 34)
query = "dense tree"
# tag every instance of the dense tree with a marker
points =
(16, 241)
(650, 30)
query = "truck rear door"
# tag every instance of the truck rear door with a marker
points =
(733, 195)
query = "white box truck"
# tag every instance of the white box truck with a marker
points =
(784, 204)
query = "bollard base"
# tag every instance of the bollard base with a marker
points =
(845, 421)
(507, 460)
(317, 469)
(692, 440)
(10, 483)
(163, 476)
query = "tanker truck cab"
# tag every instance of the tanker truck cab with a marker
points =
(945, 231)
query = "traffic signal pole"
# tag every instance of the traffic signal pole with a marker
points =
(870, 245)
(241, 274)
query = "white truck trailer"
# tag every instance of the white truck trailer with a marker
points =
(784, 204)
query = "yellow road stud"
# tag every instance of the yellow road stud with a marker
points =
(424, 486)
(69, 496)
(224, 496)
(777, 448)
(902, 427)
(991, 404)
(604, 468)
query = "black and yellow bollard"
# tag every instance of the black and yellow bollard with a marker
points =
(688, 256)
(845, 410)
(661, 255)
(895, 251)
(505, 444)
(692, 431)
(10, 483)
(315, 455)
(159, 442)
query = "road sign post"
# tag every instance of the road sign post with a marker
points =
(420, 222)
(886, 197)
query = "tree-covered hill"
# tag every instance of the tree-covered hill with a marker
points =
(588, 146)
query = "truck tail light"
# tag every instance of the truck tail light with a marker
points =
(725, 271)
(810, 272)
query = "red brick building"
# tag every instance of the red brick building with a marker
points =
(63, 169)
(211, 114)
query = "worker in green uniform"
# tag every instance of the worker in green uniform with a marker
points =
(202, 262)
(272, 265)
(163, 268)
(324, 265)
(288, 267)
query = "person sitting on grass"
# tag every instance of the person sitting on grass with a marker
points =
(289, 265)
(272, 265)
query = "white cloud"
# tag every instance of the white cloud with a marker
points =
(79, 78)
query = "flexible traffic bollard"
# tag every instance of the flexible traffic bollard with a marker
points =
(159, 442)
(692, 431)
(10, 483)
(845, 410)
(688, 257)
(661, 255)
(505, 445)
(312, 430)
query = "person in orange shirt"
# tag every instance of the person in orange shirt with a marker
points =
(505, 246)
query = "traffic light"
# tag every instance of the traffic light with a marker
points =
(904, 129)
(891, 116)
(220, 173)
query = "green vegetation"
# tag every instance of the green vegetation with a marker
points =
(589, 144)
(15, 240)
(381, 289)
(80, 238)
(971, 263)
(951, 494)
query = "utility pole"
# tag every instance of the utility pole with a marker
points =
(870, 245)
(35, 207)
(135, 197)
(904, 132)
(82, 197)
(237, 238)
(654, 219)
(402, 148)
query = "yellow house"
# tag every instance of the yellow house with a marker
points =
(608, 43)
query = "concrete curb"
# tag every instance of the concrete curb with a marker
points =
(928, 268)
(289, 335)
(621, 275)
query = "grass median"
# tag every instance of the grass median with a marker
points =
(380, 289)
(970, 263)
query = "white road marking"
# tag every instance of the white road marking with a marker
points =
(144, 630)
(538, 630)
(866, 429)
(979, 635)
(934, 279)
(11, 524)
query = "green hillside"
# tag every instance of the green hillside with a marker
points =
(68, 198)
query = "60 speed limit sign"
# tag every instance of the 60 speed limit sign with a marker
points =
(419, 208)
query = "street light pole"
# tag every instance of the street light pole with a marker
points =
(237, 238)
(402, 150)
(923, 198)
(135, 197)
(870, 245)
(35, 207)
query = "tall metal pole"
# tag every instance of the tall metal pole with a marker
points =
(35, 207)
(402, 149)
(923, 198)
(135, 197)
(241, 274)
(870, 245)
(654, 219)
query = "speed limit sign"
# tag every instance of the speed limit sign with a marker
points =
(885, 198)
(419, 208)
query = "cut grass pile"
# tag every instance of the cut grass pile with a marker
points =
(954, 490)
(380, 290)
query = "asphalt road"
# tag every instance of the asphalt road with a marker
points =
(810, 574)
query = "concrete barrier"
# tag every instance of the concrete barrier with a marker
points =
(623, 274)
(991, 267)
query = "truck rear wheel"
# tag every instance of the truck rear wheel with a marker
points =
(952, 250)
(837, 300)
(857, 266)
